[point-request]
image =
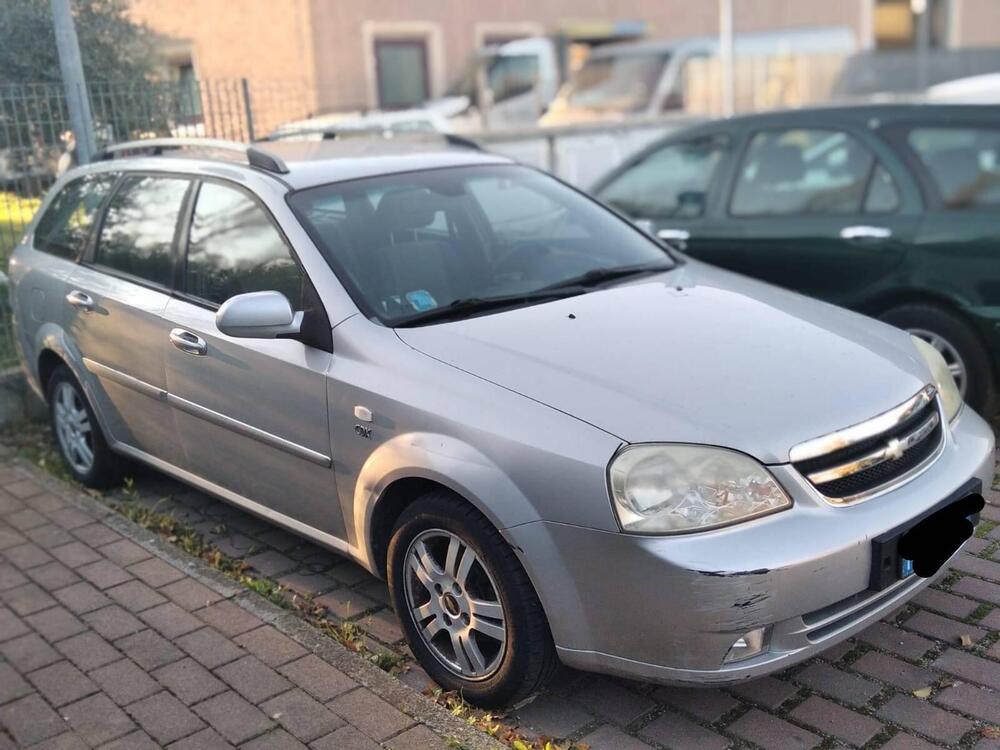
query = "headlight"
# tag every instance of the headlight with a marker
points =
(670, 489)
(951, 399)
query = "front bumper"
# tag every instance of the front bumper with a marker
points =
(668, 609)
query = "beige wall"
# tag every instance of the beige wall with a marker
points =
(976, 23)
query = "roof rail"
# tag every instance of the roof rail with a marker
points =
(332, 133)
(256, 157)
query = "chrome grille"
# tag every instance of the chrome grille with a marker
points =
(871, 457)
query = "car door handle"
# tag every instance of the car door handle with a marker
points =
(863, 232)
(81, 300)
(188, 342)
(676, 235)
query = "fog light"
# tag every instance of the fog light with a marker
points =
(748, 645)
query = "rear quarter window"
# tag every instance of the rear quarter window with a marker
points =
(64, 228)
(963, 163)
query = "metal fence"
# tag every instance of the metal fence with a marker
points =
(37, 144)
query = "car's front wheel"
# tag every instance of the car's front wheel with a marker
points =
(468, 609)
(78, 436)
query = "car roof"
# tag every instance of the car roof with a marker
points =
(883, 113)
(318, 162)
(311, 163)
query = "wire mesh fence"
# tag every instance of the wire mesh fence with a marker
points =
(37, 143)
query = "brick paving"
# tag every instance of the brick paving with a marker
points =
(105, 643)
(171, 660)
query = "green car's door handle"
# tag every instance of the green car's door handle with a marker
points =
(863, 232)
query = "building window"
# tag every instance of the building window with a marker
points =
(896, 23)
(401, 71)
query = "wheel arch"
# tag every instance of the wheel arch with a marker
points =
(407, 467)
(898, 298)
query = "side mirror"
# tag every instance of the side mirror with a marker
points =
(258, 315)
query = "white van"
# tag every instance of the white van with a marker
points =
(644, 79)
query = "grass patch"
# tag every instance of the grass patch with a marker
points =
(986, 525)
(15, 214)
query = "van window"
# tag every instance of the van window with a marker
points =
(616, 83)
(234, 249)
(670, 182)
(804, 172)
(963, 162)
(137, 236)
(65, 226)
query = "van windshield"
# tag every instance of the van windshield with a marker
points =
(620, 83)
(405, 245)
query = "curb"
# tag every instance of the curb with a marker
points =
(416, 705)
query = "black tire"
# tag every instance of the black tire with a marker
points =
(529, 656)
(981, 387)
(106, 468)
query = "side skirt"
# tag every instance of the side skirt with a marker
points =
(311, 533)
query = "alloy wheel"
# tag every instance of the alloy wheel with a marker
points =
(73, 428)
(455, 604)
(956, 365)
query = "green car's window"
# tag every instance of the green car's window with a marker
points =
(883, 196)
(234, 248)
(963, 162)
(670, 182)
(64, 228)
(137, 236)
(802, 172)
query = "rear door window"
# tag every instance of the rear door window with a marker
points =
(802, 172)
(66, 224)
(671, 182)
(963, 163)
(233, 248)
(138, 233)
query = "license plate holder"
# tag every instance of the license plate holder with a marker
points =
(923, 543)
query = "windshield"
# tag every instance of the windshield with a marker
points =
(411, 243)
(622, 83)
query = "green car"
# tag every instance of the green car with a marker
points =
(891, 210)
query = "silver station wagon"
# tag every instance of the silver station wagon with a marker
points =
(557, 438)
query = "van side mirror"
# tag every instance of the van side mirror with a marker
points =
(258, 315)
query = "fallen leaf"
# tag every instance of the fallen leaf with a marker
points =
(923, 692)
(991, 733)
(965, 639)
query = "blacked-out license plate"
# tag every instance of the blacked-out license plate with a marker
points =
(926, 543)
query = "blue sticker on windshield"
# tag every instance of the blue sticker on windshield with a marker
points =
(421, 300)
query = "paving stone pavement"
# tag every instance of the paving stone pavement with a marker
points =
(180, 659)
(112, 638)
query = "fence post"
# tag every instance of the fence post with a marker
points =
(74, 82)
(248, 108)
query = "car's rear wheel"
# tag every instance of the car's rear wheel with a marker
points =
(78, 435)
(963, 351)
(468, 609)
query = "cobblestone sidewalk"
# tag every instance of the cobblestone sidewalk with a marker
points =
(110, 638)
(859, 694)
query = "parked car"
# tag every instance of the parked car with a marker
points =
(556, 438)
(889, 210)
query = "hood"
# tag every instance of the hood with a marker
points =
(695, 355)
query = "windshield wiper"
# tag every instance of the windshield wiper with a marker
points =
(472, 305)
(604, 275)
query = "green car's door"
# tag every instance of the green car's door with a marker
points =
(824, 210)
